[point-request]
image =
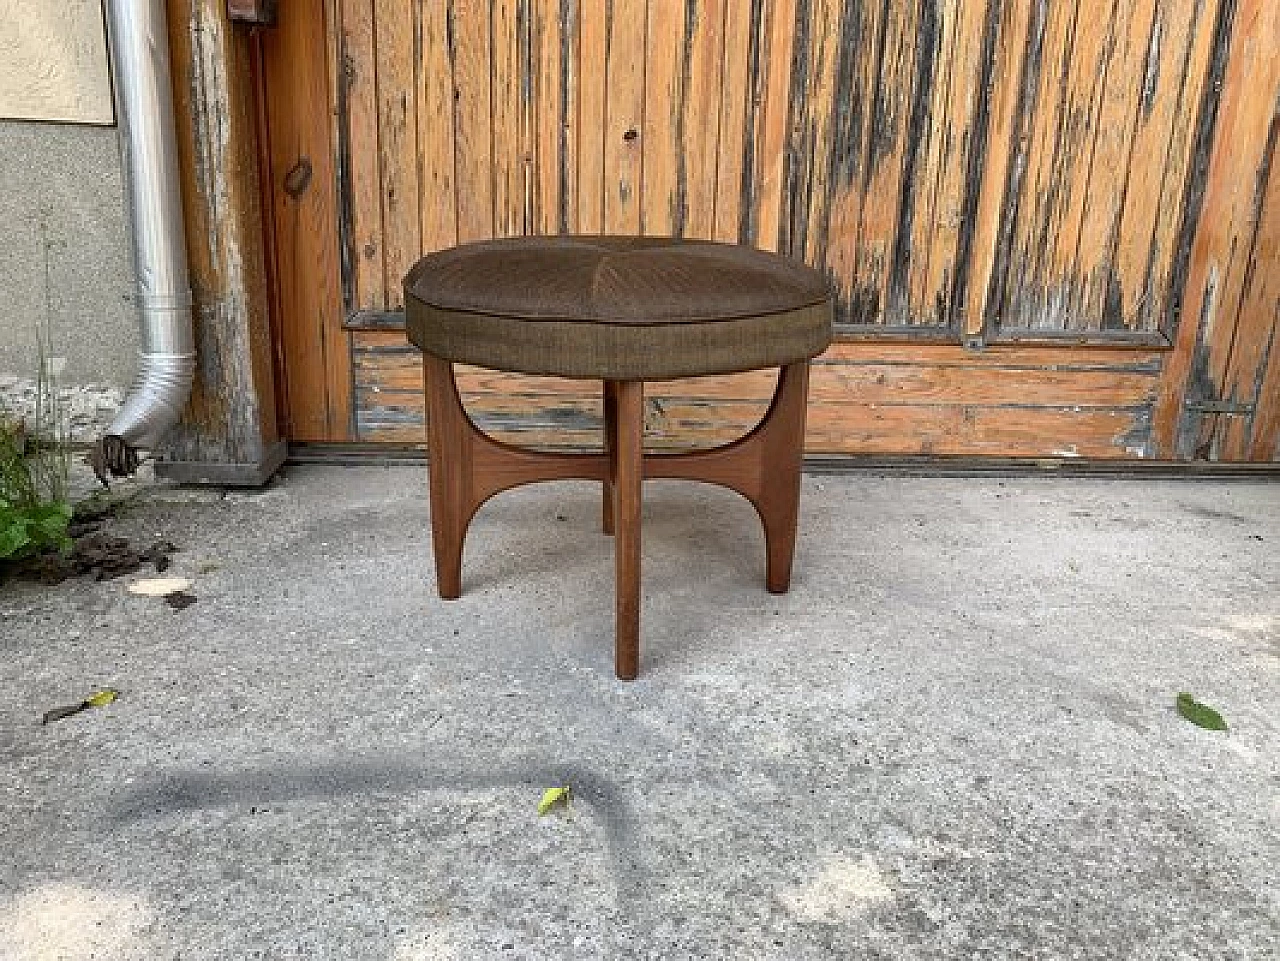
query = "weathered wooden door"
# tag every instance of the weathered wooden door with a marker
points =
(1052, 225)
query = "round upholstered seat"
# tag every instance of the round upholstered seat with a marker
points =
(616, 308)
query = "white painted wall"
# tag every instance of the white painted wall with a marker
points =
(53, 61)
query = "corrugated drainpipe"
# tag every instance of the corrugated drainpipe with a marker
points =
(139, 43)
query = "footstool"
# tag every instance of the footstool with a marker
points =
(622, 310)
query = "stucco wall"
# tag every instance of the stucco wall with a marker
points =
(65, 262)
(53, 61)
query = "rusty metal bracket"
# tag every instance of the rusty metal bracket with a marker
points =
(261, 13)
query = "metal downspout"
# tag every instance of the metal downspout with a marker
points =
(139, 44)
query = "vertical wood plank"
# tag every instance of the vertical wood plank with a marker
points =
(624, 115)
(1180, 159)
(663, 198)
(438, 195)
(571, 96)
(770, 134)
(1237, 344)
(1252, 374)
(860, 54)
(996, 162)
(396, 30)
(297, 67)
(810, 187)
(360, 78)
(549, 33)
(1058, 288)
(892, 146)
(1171, 87)
(946, 156)
(942, 140)
(1053, 159)
(1227, 222)
(736, 90)
(1111, 167)
(224, 170)
(508, 101)
(706, 60)
(593, 82)
(473, 113)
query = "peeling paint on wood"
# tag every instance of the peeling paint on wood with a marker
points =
(991, 171)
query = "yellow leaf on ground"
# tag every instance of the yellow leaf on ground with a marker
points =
(101, 698)
(551, 798)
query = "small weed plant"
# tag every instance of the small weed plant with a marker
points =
(34, 468)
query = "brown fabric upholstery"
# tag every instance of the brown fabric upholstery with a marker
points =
(616, 308)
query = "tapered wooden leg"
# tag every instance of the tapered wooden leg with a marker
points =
(763, 467)
(783, 454)
(449, 471)
(466, 468)
(628, 473)
(610, 445)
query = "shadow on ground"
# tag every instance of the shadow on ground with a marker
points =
(954, 738)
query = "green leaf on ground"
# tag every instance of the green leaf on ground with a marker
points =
(552, 798)
(1201, 715)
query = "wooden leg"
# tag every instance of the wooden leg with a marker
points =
(763, 467)
(448, 469)
(628, 473)
(610, 445)
(466, 468)
(782, 451)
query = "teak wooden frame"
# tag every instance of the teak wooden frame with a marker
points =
(466, 467)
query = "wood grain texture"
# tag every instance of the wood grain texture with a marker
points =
(552, 45)
(977, 167)
(1227, 324)
(703, 65)
(1030, 173)
(364, 178)
(1013, 39)
(1249, 375)
(508, 136)
(664, 194)
(305, 221)
(1126, 57)
(398, 55)
(231, 416)
(905, 58)
(624, 74)
(593, 22)
(737, 104)
(1172, 91)
(438, 208)
(472, 56)
(1111, 104)
(771, 67)
(944, 128)
(980, 399)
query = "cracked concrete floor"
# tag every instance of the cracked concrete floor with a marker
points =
(954, 738)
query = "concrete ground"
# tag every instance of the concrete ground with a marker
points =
(954, 738)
